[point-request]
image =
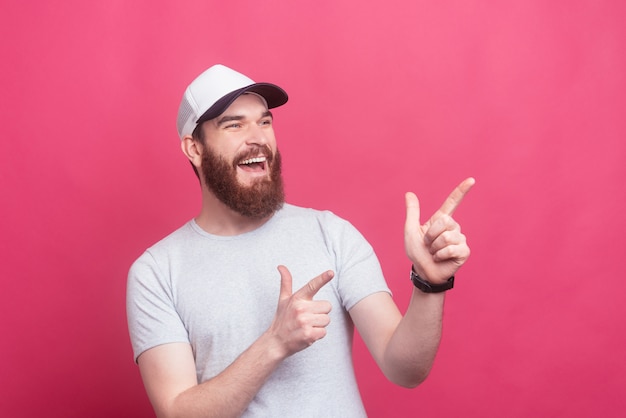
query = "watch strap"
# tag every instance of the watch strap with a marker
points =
(428, 287)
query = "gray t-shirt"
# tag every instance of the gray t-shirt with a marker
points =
(220, 293)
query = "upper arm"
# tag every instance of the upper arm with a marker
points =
(167, 370)
(376, 317)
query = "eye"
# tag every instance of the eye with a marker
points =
(234, 125)
(266, 122)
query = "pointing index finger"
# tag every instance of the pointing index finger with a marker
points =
(314, 285)
(454, 200)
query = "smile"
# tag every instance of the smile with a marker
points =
(253, 160)
(256, 164)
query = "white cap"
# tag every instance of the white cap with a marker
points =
(210, 94)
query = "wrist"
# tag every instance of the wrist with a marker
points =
(430, 287)
(273, 347)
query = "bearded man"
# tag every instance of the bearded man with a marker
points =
(216, 326)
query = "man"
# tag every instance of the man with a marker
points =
(249, 309)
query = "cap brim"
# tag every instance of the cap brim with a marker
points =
(273, 95)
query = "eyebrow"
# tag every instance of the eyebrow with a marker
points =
(231, 118)
(225, 119)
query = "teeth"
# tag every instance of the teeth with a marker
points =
(254, 160)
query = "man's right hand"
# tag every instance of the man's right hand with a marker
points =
(169, 370)
(300, 320)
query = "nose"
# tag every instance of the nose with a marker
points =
(259, 135)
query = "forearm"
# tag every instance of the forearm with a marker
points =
(229, 393)
(411, 350)
(169, 370)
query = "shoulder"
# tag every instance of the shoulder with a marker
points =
(183, 233)
(322, 217)
(167, 246)
(333, 228)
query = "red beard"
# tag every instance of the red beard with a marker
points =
(257, 201)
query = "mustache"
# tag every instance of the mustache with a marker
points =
(254, 151)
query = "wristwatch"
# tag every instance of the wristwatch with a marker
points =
(428, 287)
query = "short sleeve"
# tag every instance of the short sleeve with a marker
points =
(150, 307)
(359, 272)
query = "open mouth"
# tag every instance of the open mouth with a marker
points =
(256, 164)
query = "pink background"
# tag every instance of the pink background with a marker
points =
(528, 97)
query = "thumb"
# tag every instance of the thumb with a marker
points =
(412, 222)
(285, 283)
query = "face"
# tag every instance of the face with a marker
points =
(240, 162)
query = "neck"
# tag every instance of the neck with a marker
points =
(218, 219)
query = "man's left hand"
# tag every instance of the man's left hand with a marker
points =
(436, 248)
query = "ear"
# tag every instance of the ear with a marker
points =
(192, 150)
